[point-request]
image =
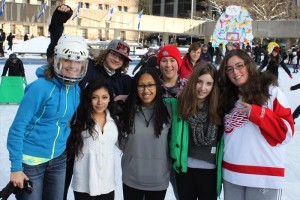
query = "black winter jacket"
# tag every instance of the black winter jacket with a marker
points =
(120, 82)
(14, 69)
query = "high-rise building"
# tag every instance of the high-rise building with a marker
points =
(179, 8)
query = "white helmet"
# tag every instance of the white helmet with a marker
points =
(71, 51)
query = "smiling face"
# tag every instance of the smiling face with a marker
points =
(100, 100)
(195, 55)
(168, 67)
(146, 89)
(205, 84)
(71, 68)
(114, 60)
(237, 71)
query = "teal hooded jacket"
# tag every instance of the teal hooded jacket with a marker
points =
(41, 126)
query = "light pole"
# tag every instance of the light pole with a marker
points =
(191, 19)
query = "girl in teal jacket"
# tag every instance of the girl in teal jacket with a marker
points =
(37, 138)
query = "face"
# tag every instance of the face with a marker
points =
(204, 86)
(195, 55)
(100, 100)
(274, 53)
(146, 89)
(168, 67)
(229, 47)
(205, 49)
(71, 68)
(236, 71)
(114, 60)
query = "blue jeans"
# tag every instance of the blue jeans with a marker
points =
(48, 180)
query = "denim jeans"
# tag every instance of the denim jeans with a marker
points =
(48, 180)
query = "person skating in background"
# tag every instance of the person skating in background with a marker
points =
(296, 112)
(10, 38)
(272, 63)
(257, 53)
(37, 137)
(95, 131)
(190, 59)
(258, 124)
(205, 56)
(211, 51)
(149, 59)
(14, 66)
(2, 40)
(146, 122)
(228, 48)
(25, 37)
(295, 61)
(195, 135)
(219, 54)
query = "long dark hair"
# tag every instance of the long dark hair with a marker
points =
(254, 91)
(161, 114)
(82, 119)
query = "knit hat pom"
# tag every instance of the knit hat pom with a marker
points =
(169, 51)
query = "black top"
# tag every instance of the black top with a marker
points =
(120, 82)
(14, 69)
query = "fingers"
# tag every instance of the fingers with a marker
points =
(64, 8)
(17, 179)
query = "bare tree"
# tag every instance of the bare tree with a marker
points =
(144, 5)
(261, 9)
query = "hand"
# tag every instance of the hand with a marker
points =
(64, 8)
(245, 107)
(291, 76)
(17, 178)
(120, 97)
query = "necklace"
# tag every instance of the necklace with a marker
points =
(147, 121)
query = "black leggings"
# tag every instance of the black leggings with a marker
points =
(296, 112)
(197, 184)
(130, 193)
(86, 196)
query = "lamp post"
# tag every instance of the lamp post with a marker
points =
(192, 5)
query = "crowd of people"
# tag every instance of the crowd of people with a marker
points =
(178, 120)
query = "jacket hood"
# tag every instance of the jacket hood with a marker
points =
(40, 74)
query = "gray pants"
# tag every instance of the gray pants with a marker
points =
(237, 192)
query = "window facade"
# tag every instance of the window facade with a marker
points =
(26, 30)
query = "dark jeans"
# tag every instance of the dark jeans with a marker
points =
(48, 179)
(1, 49)
(130, 193)
(86, 196)
(197, 184)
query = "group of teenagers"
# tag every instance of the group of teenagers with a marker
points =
(201, 131)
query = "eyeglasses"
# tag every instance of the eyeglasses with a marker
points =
(116, 55)
(230, 69)
(149, 87)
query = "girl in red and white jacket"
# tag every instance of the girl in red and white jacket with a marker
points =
(258, 124)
